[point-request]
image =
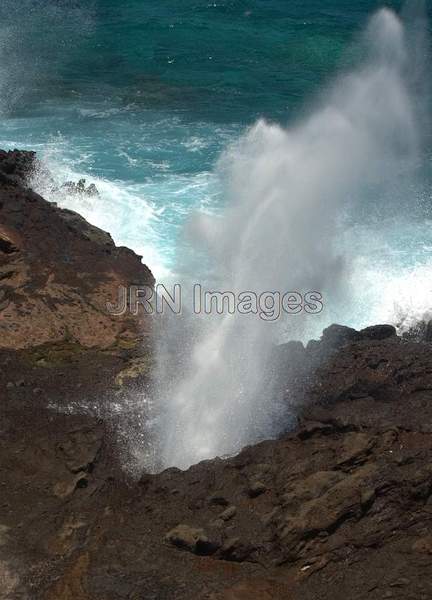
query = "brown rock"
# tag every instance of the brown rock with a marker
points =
(256, 488)
(378, 332)
(192, 539)
(356, 448)
(336, 336)
(79, 451)
(228, 514)
(423, 545)
(57, 271)
(218, 500)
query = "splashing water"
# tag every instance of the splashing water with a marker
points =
(289, 194)
(336, 203)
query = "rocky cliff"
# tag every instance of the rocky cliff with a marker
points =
(57, 272)
(338, 508)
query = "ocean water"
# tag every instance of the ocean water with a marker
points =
(244, 144)
(142, 97)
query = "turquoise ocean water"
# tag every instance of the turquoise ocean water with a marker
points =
(142, 96)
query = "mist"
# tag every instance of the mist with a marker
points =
(287, 192)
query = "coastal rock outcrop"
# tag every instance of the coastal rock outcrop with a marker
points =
(58, 272)
(338, 507)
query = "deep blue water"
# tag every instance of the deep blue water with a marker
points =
(228, 61)
(148, 87)
(142, 96)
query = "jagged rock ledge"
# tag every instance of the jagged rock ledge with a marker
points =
(338, 508)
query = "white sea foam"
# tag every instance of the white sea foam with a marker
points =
(122, 208)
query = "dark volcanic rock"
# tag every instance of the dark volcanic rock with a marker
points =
(338, 508)
(375, 382)
(378, 332)
(80, 188)
(16, 167)
(58, 272)
(192, 539)
(338, 335)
